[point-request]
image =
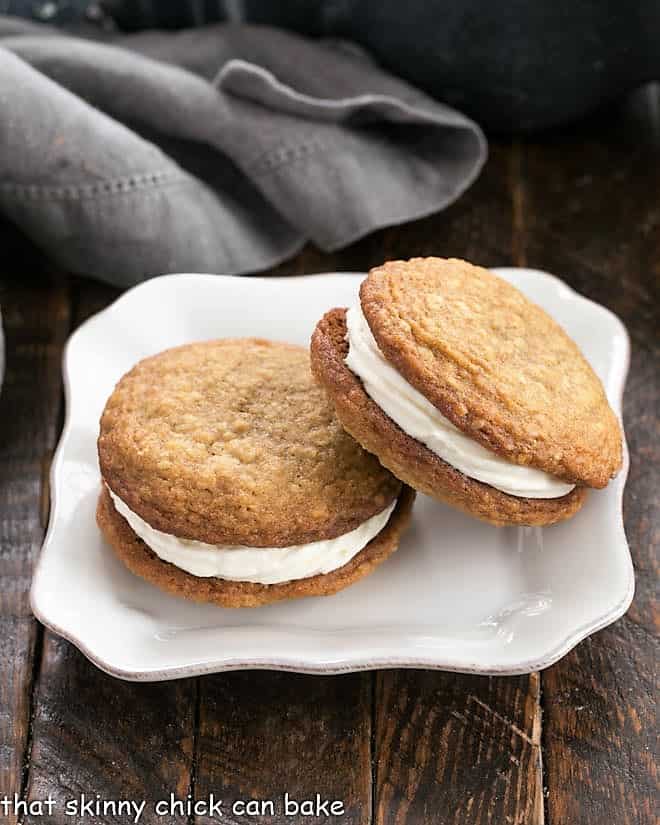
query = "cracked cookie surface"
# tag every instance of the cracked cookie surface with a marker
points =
(409, 459)
(495, 364)
(232, 442)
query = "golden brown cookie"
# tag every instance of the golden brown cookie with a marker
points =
(232, 444)
(407, 458)
(495, 365)
(144, 563)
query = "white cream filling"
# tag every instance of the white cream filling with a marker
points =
(419, 419)
(262, 565)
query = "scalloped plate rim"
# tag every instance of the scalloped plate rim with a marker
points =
(320, 666)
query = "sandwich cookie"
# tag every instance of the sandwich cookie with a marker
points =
(468, 391)
(228, 479)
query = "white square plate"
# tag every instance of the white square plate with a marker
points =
(458, 594)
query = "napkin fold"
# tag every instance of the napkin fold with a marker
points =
(218, 149)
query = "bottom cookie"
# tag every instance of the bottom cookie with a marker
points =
(140, 560)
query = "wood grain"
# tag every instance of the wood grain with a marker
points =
(93, 734)
(263, 734)
(36, 321)
(404, 747)
(592, 215)
(452, 748)
(457, 749)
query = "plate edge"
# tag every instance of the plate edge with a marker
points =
(320, 669)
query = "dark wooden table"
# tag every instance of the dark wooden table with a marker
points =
(574, 744)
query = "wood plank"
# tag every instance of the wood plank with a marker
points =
(263, 734)
(452, 748)
(592, 216)
(17, 649)
(36, 318)
(93, 734)
(458, 749)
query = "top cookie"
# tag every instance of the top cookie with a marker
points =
(232, 442)
(495, 364)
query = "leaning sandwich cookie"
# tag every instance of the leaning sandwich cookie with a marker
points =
(228, 479)
(468, 391)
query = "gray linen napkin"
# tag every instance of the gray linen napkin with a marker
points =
(218, 149)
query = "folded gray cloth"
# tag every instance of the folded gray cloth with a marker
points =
(218, 149)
